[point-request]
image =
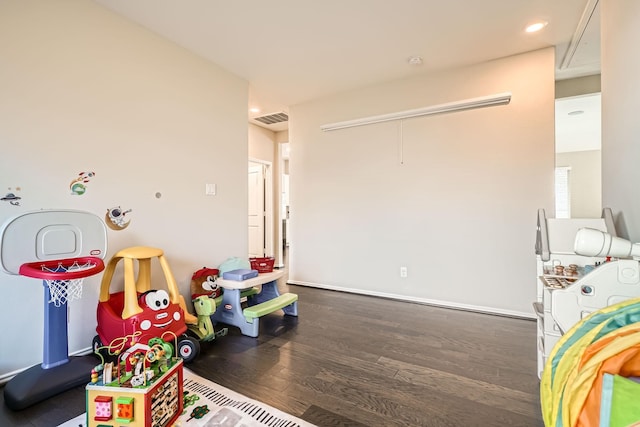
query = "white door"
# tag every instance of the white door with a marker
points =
(256, 210)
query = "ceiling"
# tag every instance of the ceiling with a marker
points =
(293, 51)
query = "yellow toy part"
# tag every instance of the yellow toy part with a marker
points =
(133, 287)
(565, 367)
(189, 318)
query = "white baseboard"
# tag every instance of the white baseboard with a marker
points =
(426, 301)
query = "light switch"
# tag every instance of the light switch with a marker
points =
(210, 190)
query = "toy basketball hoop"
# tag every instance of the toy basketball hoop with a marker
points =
(63, 277)
(60, 247)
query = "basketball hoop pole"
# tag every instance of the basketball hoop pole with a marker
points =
(61, 280)
(55, 350)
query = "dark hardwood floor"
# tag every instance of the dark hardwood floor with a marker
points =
(353, 360)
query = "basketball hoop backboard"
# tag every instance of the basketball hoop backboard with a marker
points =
(49, 235)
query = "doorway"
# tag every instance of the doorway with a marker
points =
(578, 156)
(260, 210)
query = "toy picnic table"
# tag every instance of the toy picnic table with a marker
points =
(259, 303)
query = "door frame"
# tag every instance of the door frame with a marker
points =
(279, 217)
(268, 204)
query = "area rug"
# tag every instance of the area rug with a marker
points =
(219, 407)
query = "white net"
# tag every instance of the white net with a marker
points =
(63, 290)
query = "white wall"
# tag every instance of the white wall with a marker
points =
(585, 182)
(262, 143)
(83, 89)
(620, 106)
(459, 213)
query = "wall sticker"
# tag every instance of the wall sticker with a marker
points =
(77, 186)
(12, 197)
(115, 218)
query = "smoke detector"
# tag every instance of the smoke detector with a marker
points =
(415, 60)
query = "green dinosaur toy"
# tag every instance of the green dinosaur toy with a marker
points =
(204, 330)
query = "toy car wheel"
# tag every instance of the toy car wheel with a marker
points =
(192, 334)
(188, 348)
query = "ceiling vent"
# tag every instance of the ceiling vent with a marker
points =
(271, 119)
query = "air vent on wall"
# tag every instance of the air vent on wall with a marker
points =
(271, 119)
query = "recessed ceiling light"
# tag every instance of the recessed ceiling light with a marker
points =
(415, 60)
(575, 113)
(536, 26)
(254, 109)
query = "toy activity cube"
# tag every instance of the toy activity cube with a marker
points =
(158, 404)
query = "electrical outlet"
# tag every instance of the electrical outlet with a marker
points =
(403, 272)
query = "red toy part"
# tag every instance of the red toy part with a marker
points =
(263, 265)
(204, 283)
(204, 272)
(143, 326)
(140, 312)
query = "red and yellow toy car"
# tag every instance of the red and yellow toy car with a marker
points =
(139, 312)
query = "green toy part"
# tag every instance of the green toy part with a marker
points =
(619, 406)
(269, 306)
(204, 330)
